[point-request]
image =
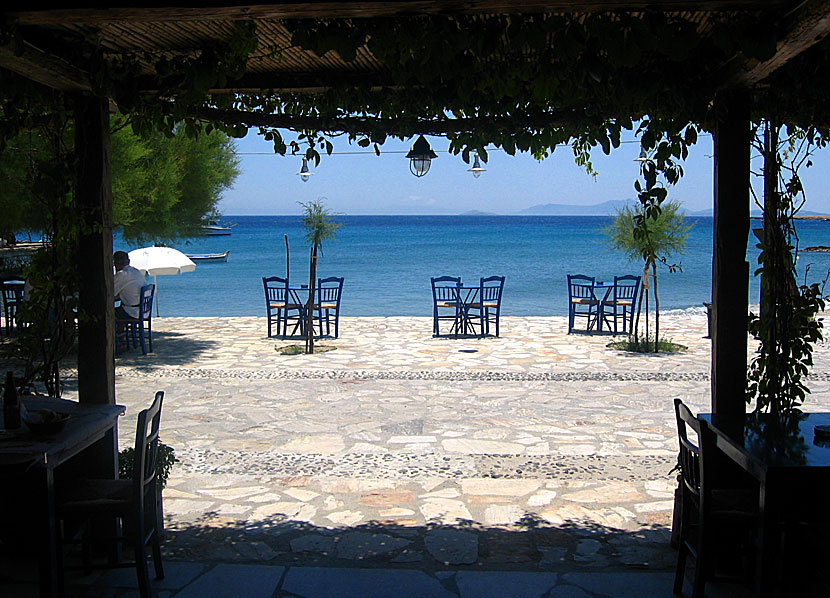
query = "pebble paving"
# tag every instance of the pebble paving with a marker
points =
(535, 451)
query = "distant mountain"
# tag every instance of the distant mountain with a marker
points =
(478, 213)
(606, 208)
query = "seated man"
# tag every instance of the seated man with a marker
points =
(127, 287)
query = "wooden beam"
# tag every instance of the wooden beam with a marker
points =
(730, 270)
(46, 69)
(367, 8)
(360, 125)
(802, 28)
(96, 334)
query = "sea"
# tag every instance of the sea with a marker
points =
(387, 262)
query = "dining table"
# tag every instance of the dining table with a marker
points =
(31, 462)
(605, 289)
(467, 296)
(789, 458)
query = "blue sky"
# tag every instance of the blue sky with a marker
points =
(355, 181)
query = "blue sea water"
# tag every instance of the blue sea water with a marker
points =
(387, 262)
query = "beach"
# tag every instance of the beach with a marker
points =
(400, 448)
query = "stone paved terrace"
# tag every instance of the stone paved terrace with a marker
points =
(537, 452)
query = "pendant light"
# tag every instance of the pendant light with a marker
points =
(305, 173)
(420, 156)
(476, 168)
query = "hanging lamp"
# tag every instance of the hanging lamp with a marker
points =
(305, 173)
(420, 156)
(476, 168)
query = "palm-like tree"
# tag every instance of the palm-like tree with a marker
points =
(665, 237)
(318, 228)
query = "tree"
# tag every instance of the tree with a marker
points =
(665, 235)
(787, 326)
(319, 227)
(163, 187)
(168, 187)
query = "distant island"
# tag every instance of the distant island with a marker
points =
(606, 208)
(478, 213)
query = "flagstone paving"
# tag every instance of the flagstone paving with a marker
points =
(534, 452)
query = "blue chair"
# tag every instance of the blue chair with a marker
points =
(622, 303)
(329, 291)
(12, 298)
(133, 329)
(445, 296)
(582, 302)
(488, 305)
(282, 306)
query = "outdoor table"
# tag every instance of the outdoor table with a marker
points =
(792, 468)
(39, 457)
(607, 287)
(299, 295)
(466, 297)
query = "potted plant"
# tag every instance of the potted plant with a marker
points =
(164, 464)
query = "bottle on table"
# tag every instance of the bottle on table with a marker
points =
(11, 404)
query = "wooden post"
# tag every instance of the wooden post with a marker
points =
(730, 270)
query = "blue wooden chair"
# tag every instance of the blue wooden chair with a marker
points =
(139, 331)
(487, 307)
(329, 291)
(446, 303)
(582, 301)
(622, 302)
(281, 306)
(12, 298)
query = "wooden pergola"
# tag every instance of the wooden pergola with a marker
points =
(52, 46)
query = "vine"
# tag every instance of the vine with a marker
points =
(788, 325)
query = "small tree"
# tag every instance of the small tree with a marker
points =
(318, 228)
(665, 235)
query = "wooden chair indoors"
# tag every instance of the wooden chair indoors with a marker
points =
(134, 501)
(710, 518)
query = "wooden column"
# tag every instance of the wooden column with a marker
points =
(730, 270)
(96, 354)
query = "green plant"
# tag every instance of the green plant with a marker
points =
(300, 349)
(318, 227)
(653, 233)
(164, 463)
(646, 344)
(787, 326)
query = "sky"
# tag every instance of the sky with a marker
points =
(353, 180)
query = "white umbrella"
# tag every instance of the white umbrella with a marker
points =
(157, 261)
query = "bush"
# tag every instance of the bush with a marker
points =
(164, 463)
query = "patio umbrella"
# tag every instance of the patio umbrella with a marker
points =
(159, 261)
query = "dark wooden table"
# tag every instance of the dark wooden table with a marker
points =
(792, 468)
(38, 458)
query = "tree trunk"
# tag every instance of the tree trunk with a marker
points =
(312, 275)
(774, 266)
(639, 311)
(287, 260)
(656, 310)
